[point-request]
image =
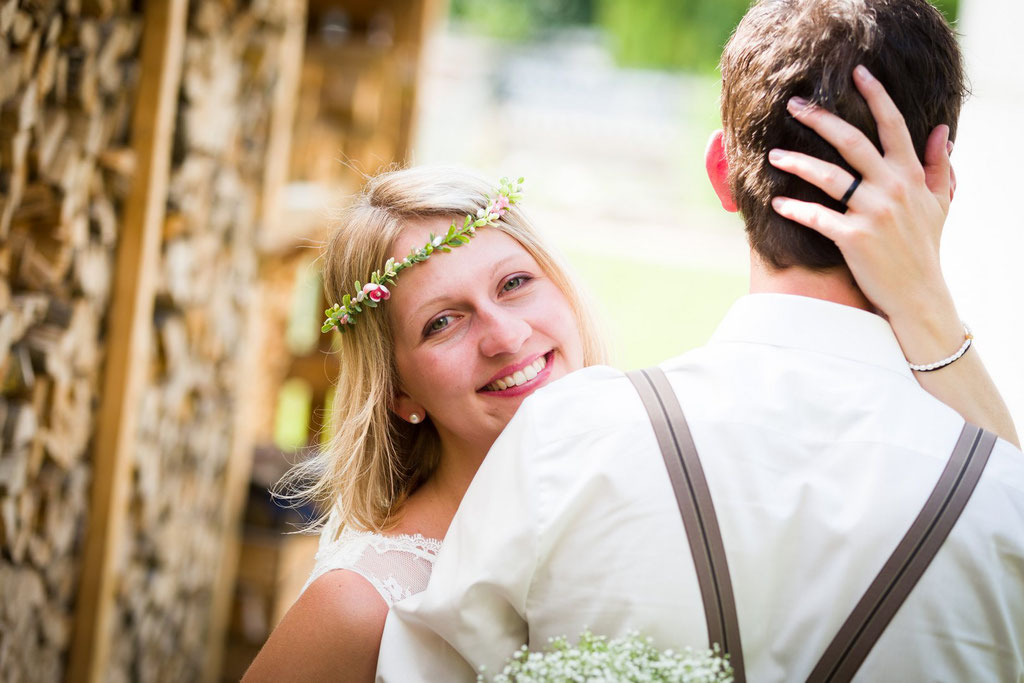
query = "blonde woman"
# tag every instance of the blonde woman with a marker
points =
(440, 352)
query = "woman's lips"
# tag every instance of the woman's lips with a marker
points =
(522, 381)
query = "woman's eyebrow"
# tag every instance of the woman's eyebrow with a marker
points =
(431, 303)
(502, 263)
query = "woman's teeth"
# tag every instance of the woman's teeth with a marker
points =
(519, 376)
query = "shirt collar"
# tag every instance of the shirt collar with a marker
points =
(814, 325)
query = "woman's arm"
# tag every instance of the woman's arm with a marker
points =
(889, 236)
(331, 633)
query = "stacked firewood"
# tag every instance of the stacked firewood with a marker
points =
(203, 319)
(67, 73)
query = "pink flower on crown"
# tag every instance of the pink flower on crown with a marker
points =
(376, 292)
(344, 320)
(501, 205)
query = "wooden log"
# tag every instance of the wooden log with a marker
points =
(71, 424)
(89, 130)
(21, 425)
(13, 471)
(5, 297)
(92, 269)
(14, 152)
(8, 8)
(89, 36)
(103, 217)
(44, 263)
(53, 29)
(22, 590)
(51, 131)
(55, 524)
(119, 43)
(10, 74)
(19, 376)
(46, 75)
(39, 550)
(62, 168)
(8, 529)
(60, 576)
(119, 160)
(101, 9)
(61, 77)
(21, 27)
(40, 406)
(83, 83)
(38, 210)
(48, 349)
(175, 226)
(56, 627)
(30, 55)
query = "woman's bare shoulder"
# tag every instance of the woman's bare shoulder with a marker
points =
(335, 626)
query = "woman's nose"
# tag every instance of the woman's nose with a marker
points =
(502, 332)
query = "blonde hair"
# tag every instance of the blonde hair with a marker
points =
(374, 460)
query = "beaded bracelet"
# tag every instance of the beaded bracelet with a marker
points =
(968, 338)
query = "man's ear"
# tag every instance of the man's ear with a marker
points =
(718, 170)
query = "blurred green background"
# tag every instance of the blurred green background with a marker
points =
(660, 34)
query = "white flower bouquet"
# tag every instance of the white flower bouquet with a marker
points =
(597, 659)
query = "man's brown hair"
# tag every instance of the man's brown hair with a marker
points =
(808, 48)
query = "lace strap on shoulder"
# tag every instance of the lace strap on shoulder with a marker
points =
(396, 566)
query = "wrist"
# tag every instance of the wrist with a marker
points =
(931, 331)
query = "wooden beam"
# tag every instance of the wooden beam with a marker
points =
(412, 32)
(239, 464)
(282, 119)
(129, 335)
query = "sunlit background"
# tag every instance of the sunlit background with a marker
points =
(168, 170)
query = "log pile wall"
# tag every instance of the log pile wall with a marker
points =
(202, 320)
(67, 76)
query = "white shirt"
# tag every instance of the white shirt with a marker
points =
(819, 448)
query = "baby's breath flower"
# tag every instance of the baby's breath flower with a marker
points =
(597, 659)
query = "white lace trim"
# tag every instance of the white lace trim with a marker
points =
(396, 566)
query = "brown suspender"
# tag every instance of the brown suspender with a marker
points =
(699, 520)
(899, 575)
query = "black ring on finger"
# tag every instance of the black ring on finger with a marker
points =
(850, 191)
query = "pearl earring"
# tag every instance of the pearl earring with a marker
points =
(414, 418)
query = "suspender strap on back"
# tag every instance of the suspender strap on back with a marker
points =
(900, 573)
(697, 510)
(886, 594)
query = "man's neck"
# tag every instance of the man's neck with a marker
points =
(835, 284)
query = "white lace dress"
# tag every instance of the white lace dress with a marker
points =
(397, 566)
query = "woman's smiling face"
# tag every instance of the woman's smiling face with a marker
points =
(476, 331)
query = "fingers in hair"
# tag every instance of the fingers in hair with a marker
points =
(848, 140)
(892, 127)
(814, 216)
(831, 179)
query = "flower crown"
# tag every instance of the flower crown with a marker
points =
(373, 292)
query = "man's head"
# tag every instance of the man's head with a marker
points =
(808, 48)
